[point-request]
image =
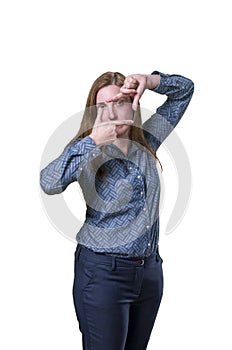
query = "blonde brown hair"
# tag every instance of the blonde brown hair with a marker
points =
(90, 113)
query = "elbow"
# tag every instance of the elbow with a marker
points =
(46, 187)
(191, 86)
(44, 183)
(49, 187)
(189, 90)
(50, 190)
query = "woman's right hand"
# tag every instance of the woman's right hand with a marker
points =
(106, 132)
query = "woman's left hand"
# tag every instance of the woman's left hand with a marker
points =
(135, 85)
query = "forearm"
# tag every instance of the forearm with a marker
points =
(65, 169)
(152, 81)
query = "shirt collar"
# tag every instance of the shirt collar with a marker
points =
(113, 150)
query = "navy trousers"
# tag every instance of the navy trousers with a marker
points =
(116, 299)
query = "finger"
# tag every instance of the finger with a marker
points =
(111, 140)
(113, 135)
(125, 92)
(128, 85)
(117, 122)
(135, 102)
(98, 119)
(131, 83)
(140, 91)
(121, 122)
(115, 97)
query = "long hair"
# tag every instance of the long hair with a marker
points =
(90, 113)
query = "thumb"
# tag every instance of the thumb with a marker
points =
(135, 102)
(98, 119)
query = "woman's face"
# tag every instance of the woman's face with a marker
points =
(119, 110)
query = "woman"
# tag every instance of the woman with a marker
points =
(118, 282)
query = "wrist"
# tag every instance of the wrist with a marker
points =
(94, 139)
(153, 80)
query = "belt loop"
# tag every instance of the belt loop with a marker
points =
(113, 263)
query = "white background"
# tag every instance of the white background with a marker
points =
(51, 51)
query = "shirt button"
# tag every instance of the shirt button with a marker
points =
(147, 226)
(81, 169)
(130, 168)
(94, 154)
(141, 192)
(144, 209)
(149, 244)
(138, 177)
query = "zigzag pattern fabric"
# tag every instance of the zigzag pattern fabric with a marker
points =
(122, 193)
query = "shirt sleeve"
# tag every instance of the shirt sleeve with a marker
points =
(65, 169)
(179, 91)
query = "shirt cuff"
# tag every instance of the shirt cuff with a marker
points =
(85, 146)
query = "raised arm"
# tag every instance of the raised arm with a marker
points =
(179, 91)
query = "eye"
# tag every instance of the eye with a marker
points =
(101, 106)
(120, 103)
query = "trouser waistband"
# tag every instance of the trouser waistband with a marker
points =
(87, 254)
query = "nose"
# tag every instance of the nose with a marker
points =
(112, 115)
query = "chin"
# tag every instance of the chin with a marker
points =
(123, 131)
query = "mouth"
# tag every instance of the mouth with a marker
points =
(120, 127)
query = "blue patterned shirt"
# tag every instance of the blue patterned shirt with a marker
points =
(122, 207)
